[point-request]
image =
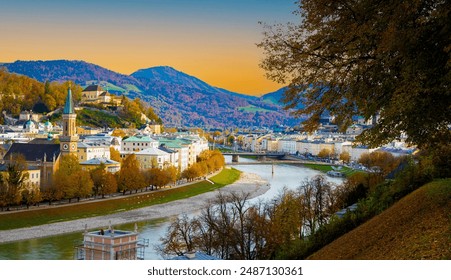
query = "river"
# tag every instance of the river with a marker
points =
(61, 247)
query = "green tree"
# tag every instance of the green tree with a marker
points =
(367, 58)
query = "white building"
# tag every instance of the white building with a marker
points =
(153, 158)
(287, 146)
(87, 151)
(358, 151)
(138, 143)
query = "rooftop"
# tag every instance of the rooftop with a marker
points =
(139, 138)
(93, 88)
(98, 161)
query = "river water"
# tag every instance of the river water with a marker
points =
(61, 247)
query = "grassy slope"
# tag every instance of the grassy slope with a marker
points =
(252, 109)
(324, 168)
(103, 207)
(417, 227)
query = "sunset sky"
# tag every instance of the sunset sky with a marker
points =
(214, 40)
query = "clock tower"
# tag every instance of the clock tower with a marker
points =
(69, 139)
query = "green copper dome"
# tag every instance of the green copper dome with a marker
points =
(69, 106)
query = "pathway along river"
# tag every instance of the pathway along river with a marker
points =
(61, 247)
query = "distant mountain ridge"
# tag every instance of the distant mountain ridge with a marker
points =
(178, 98)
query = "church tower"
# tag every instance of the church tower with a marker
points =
(69, 139)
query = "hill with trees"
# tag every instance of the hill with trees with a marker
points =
(178, 98)
(18, 93)
(416, 227)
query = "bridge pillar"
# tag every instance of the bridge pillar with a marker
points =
(235, 158)
(261, 158)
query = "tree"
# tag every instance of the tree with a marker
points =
(118, 133)
(64, 179)
(84, 184)
(13, 182)
(315, 199)
(379, 161)
(324, 153)
(31, 197)
(345, 157)
(71, 180)
(130, 177)
(115, 155)
(385, 61)
(104, 182)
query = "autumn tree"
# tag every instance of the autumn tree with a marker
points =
(118, 133)
(379, 161)
(71, 180)
(345, 157)
(192, 172)
(31, 197)
(315, 199)
(13, 182)
(325, 153)
(115, 155)
(104, 182)
(158, 178)
(130, 178)
(226, 228)
(388, 62)
(181, 236)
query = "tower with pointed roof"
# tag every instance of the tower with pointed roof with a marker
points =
(69, 139)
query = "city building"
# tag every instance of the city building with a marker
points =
(110, 165)
(69, 139)
(111, 244)
(42, 156)
(153, 158)
(137, 143)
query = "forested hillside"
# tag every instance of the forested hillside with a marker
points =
(178, 98)
(18, 93)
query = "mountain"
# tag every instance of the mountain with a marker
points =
(168, 75)
(178, 98)
(63, 70)
(274, 97)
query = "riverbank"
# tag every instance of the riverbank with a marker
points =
(248, 183)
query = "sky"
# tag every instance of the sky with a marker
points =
(213, 40)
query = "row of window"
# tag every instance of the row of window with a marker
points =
(137, 144)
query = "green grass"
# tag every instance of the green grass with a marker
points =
(252, 109)
(106, 85)
(324, 168)
(98, 119)
(108, 206)
(134, 88)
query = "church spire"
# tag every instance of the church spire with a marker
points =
(69, 106)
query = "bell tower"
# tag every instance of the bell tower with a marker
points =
(69, 139)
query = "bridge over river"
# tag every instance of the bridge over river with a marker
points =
(260, 156)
